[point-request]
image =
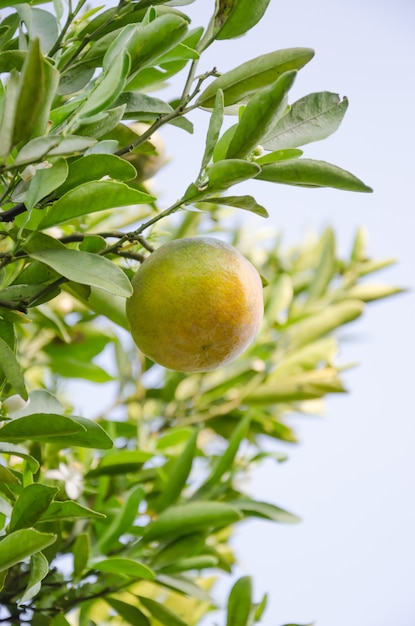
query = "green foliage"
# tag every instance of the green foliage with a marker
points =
(143, 497)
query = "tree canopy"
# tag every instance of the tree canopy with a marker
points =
(125, 517)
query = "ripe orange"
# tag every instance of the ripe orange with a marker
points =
(196, 305)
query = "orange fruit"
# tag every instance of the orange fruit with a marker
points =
(196, 305)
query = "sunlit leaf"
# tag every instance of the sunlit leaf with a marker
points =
(86, 268)
(69, 510)
(311, 173)
(52, 145)
(311, 118)
(326, 266)
(93, 196)
(20, 451)
(30, 505)
(57, 429)
(131, 614)
(108, 87)
(45, 181)
(189, 518)
(21, 544)
(122, 521)
(124, 567)
(39, 569)
(248, 203)
(243, 81)
(259, 116)
(323, 322)
(234, 18)
(162, 613)
(11, 369)
(215, 124)
(265, 510)
(240, 602)
(179, 474)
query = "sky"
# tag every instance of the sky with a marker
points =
(351, 478)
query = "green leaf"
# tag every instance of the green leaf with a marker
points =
(372, 291)
(179, 474)
(39, 569)
(86, 268)
(124, 567)
(39, 427)
(81, 553)
(264, 510)
(296, 387)
(45, 181)
(189, 518)
(152, 41)
(259, 115)
(12, 60)
(358, 252)
(56, 429)
(12, 370)
(41, 25)
(140, 105)
(92, 197)
(30, 505)
(100, 125)
(113, 308)
(224, 174)
(311, 118)
(184, 585)
(279, 155)
(199, 562)
(235, 17)
(131, 614)
(279, 297)
(41, 401)
(122, 521)
(39, 81)
(107, 88)
(76, 368)
(68, 510)
(240, 602)
(311, 173)
(248, 203)
(161, 613)
(52, 145)
(15, 450)
(120, 463)
(93, 437)
(225, 462)
(215, 124)
(94, 167)
(11, 98)
(239, 84)
(21, 544)
(325, 321)
(31, 94)
(74, 79)
(326, 266)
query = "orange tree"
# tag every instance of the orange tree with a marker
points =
(125, 517)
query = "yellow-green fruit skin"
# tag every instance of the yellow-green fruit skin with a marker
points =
(197, 304)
